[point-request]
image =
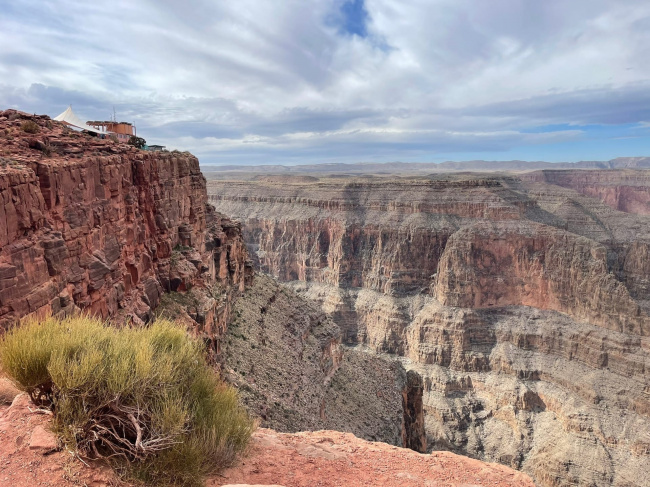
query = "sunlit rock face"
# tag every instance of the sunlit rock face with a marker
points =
(521, 302)
(93, 225)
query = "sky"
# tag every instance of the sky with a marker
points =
(320, 81)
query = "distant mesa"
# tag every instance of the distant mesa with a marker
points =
(431, 169)
(284, 179)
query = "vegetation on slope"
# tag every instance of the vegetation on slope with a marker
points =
(144, 398)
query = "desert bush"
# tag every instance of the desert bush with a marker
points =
(30, 127)
(143, 398)
(138, 142)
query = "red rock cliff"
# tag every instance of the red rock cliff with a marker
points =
(492, 264)
(103, 227)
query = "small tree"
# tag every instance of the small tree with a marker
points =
(138, 142)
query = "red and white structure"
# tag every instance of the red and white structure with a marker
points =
(121, 130)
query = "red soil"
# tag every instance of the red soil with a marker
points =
(30, 456)
(330, 458)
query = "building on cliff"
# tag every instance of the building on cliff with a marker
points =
(155, 148)
(121, 130)
(70, 118)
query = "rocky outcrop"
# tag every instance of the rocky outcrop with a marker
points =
(522, 305)
(90, 224)
(331, 459)
(32, 454)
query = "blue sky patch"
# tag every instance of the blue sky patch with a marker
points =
(354, 17)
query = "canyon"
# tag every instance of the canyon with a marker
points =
(502, 317)
(286, 358)
(89, 225)
(520, 301)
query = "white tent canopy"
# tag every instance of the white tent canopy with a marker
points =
(70, 118)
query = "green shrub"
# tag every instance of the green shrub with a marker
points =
(30, 127)
(144, 398)
(138, 142)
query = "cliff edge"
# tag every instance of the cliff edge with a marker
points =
(94, 225)
(31, 456)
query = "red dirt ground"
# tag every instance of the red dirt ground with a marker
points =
(30, 456)
(330, 458)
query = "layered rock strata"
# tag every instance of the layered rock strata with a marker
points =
(93, 225)
(521, 304)
(623, 190)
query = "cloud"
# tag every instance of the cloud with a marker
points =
(607, 105)
(311, 80)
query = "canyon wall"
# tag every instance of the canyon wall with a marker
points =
(286, 358)
(93, 225)
(623, 190)
(521, 305)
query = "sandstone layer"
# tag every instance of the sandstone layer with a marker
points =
(522, 304)
(93, 225)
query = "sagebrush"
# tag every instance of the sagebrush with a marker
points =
(144, 398)
(30, 127)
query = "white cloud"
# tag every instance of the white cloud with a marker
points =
(431, 76)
